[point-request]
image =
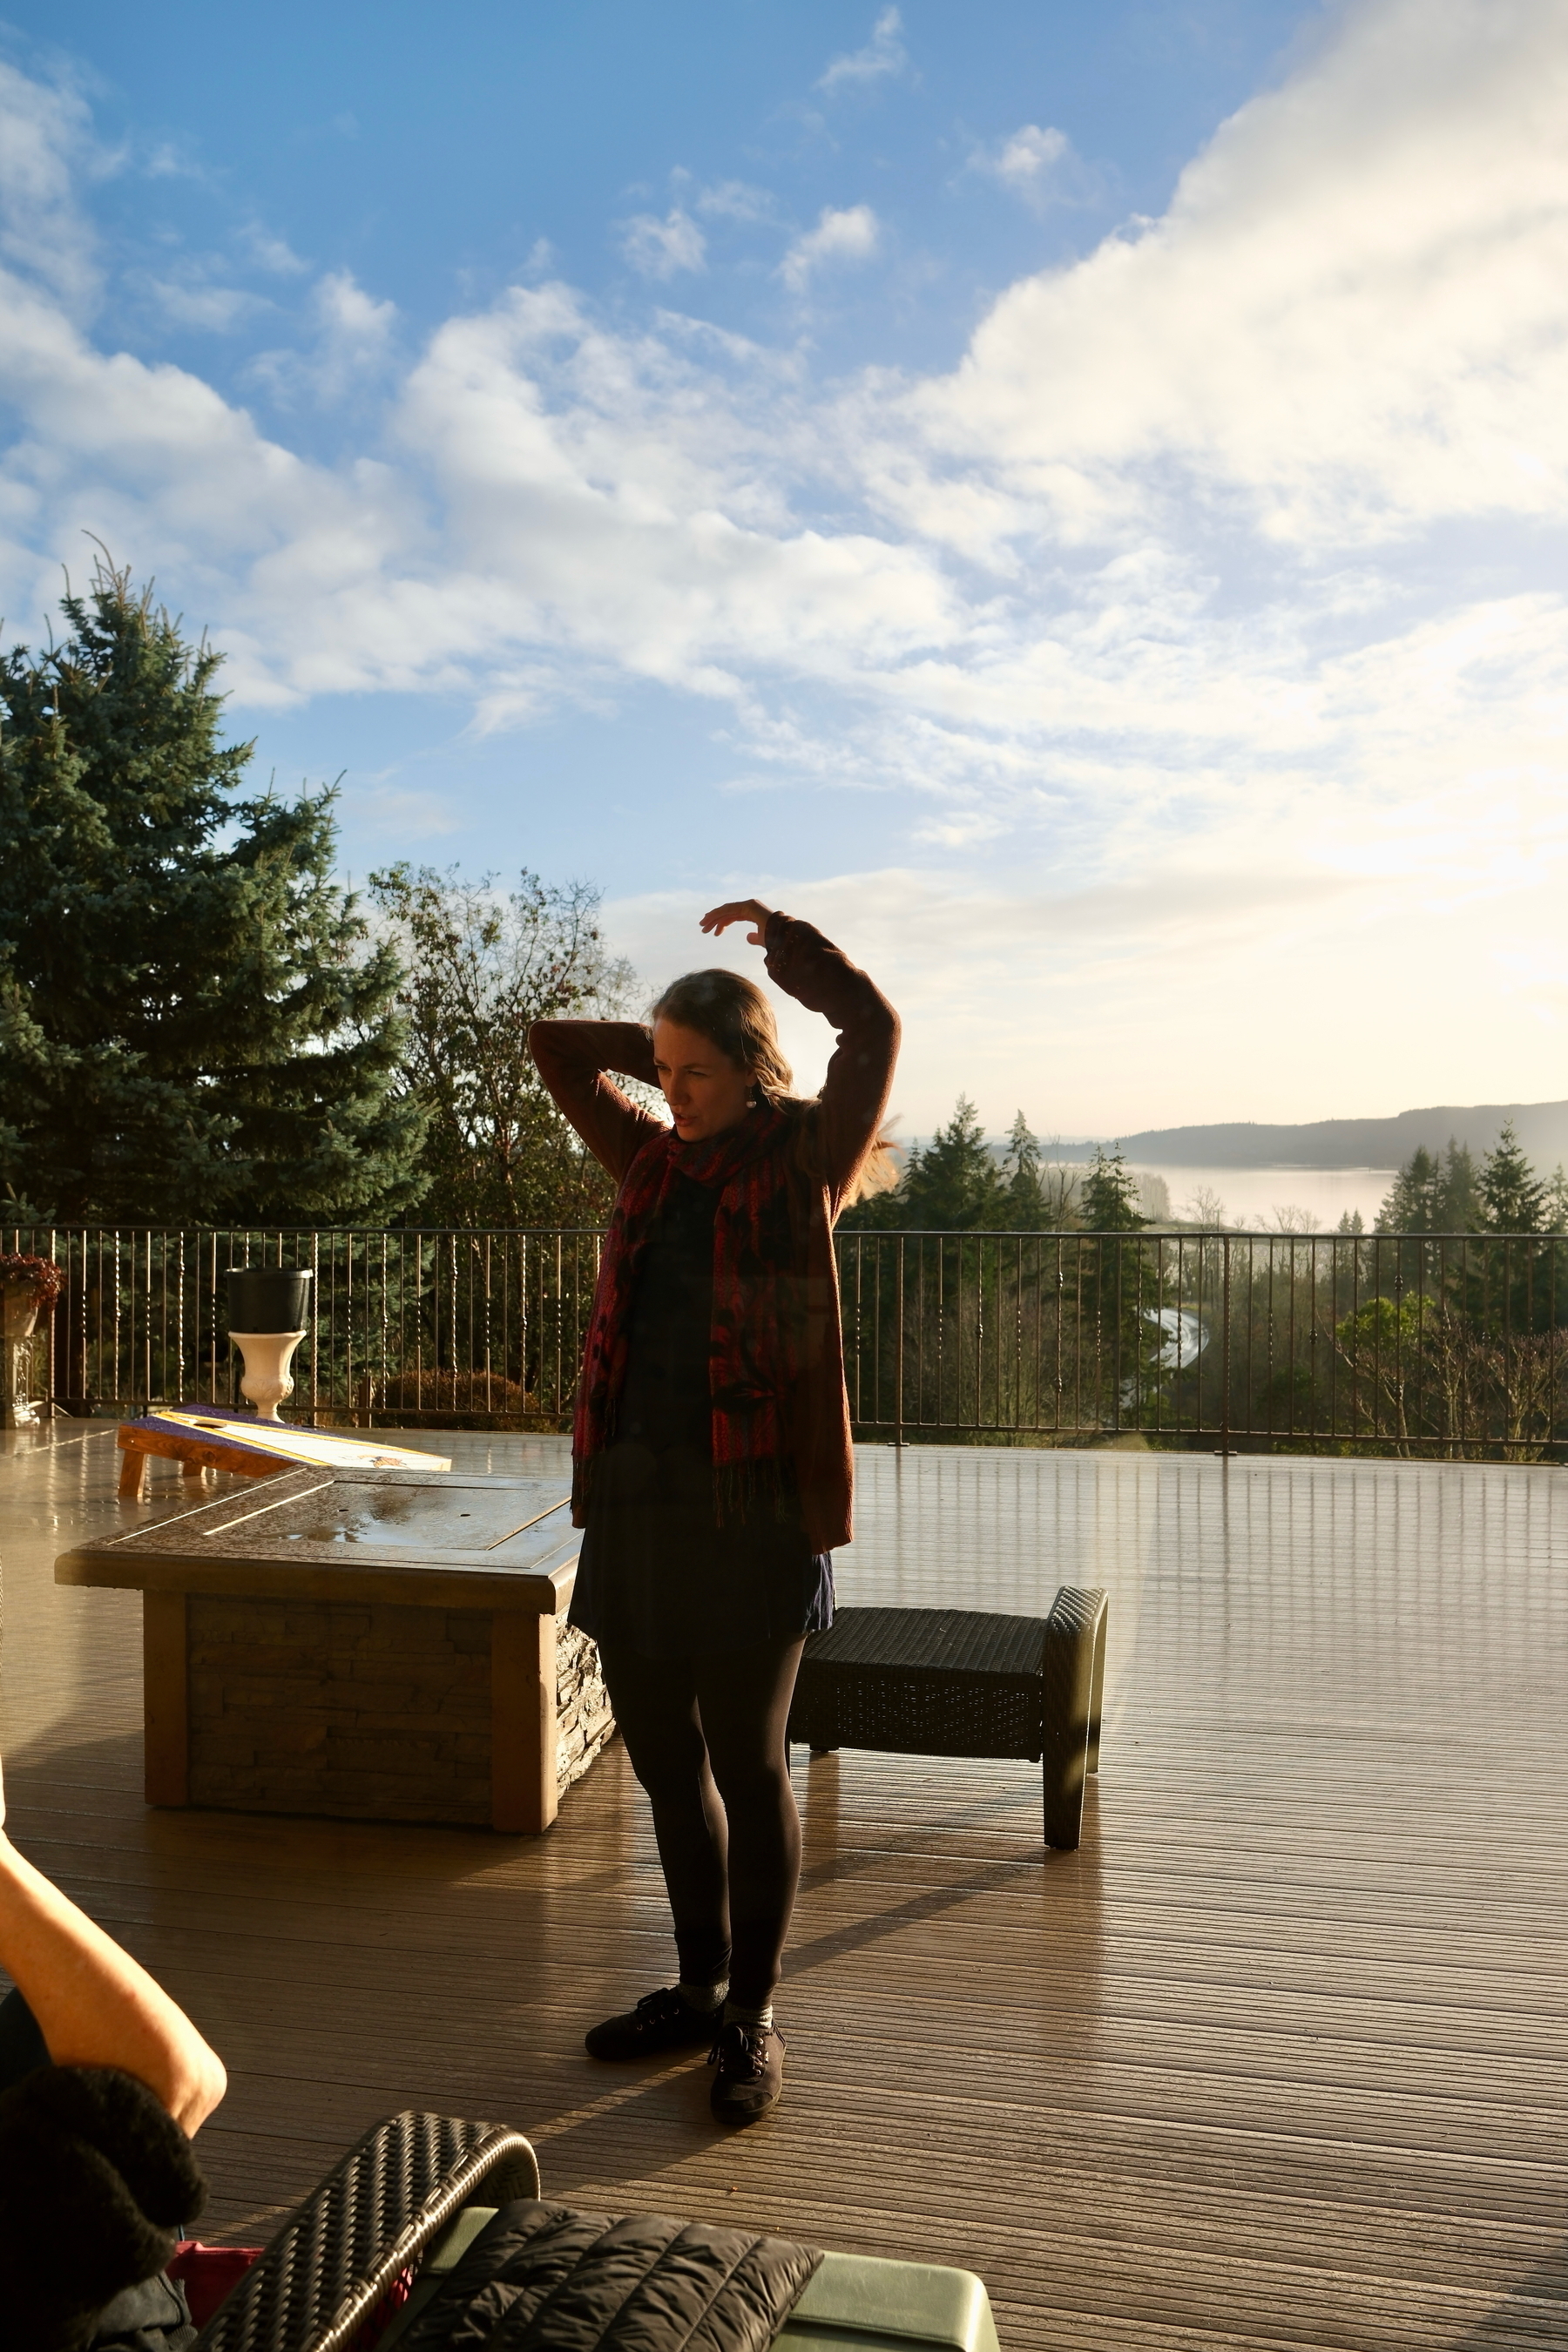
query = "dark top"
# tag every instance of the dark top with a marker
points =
(657, 1574)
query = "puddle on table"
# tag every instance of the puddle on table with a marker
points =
(447, 1517)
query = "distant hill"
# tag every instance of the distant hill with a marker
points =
(1542, 1128)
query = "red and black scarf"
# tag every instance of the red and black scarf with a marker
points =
(756, 1350)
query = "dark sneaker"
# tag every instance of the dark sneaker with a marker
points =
(661, 2021)
(750, 2077)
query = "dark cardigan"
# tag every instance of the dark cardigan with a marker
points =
(825, 1154)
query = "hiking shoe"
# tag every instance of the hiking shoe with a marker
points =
(661, 2021)
(750, 2077)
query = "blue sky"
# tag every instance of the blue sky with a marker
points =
(1072, 499)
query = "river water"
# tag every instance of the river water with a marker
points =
(1253, 1196)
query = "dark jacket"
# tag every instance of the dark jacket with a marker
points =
(832, 1142)
(96, 2181)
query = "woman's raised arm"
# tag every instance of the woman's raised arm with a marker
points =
(572, 1058)
(809, 967)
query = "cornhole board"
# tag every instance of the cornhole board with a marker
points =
(214, 1437)
(381, 1644)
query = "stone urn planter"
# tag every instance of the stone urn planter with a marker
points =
(268, 1314)
(28, 1289)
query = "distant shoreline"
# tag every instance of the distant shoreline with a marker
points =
(1364, 1146)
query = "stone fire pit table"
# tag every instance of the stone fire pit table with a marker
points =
(376, 1645)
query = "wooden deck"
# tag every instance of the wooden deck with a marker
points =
(1278, 2058)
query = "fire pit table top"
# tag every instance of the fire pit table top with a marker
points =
(430, 1537)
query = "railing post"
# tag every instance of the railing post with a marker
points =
(1225, 1445)
(899, 1353)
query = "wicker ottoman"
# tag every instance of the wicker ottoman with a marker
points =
(963, 1682)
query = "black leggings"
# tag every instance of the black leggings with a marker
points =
(706, 1737)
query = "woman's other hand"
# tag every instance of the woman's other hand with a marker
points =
(738, 910)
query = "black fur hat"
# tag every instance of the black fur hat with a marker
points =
(96, 2178)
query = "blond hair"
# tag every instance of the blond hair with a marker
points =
(733, 1015)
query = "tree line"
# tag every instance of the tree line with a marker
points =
(1445, 1192)
(956, 1183)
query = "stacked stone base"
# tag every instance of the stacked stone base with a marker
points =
(372, 1712)
(581, 1704)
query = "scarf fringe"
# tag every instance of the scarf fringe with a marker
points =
(747, 1492)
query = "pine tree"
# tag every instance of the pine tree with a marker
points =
(1457, 1200)
(1411, 1205)
(1108, 1201)
(193, 1028)
(1557, 1201)
(1512, 1197)
(953, 1186)
(1023, 1194)
(1431, 1194)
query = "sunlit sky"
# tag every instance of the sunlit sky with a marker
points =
(1070, 499)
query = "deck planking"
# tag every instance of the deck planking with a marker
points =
(1278, 2057)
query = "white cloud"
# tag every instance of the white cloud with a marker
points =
(1350, 319)
(274, 253)
(658, 248)
(351, 340)
(883, 54)
(214, 309)
(1028, 161)
(736, 200)
(852, 235)
(46, 149)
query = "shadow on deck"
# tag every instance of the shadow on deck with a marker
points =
(1278, 2058)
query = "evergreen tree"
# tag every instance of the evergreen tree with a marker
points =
(1108, 1201)
(193, 1028)
(1557, 1201)
(953, 1185)
(1458, 1205)
(1433, 1194)
(1512, 1197)
(1024, 1203)
(1411, 1205)
(481, 967)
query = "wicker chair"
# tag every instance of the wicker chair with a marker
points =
(963, 1682)
(370, 2220)
(418, 2189)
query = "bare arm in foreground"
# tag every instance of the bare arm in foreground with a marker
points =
(95, 2006)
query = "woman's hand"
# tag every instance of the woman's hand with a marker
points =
(738, 910)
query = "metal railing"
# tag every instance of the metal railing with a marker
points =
(1445, 1344)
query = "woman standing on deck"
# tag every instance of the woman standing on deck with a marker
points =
(711, 1464)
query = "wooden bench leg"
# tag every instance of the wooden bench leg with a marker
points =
(133, 1473)
(1074, 1670)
